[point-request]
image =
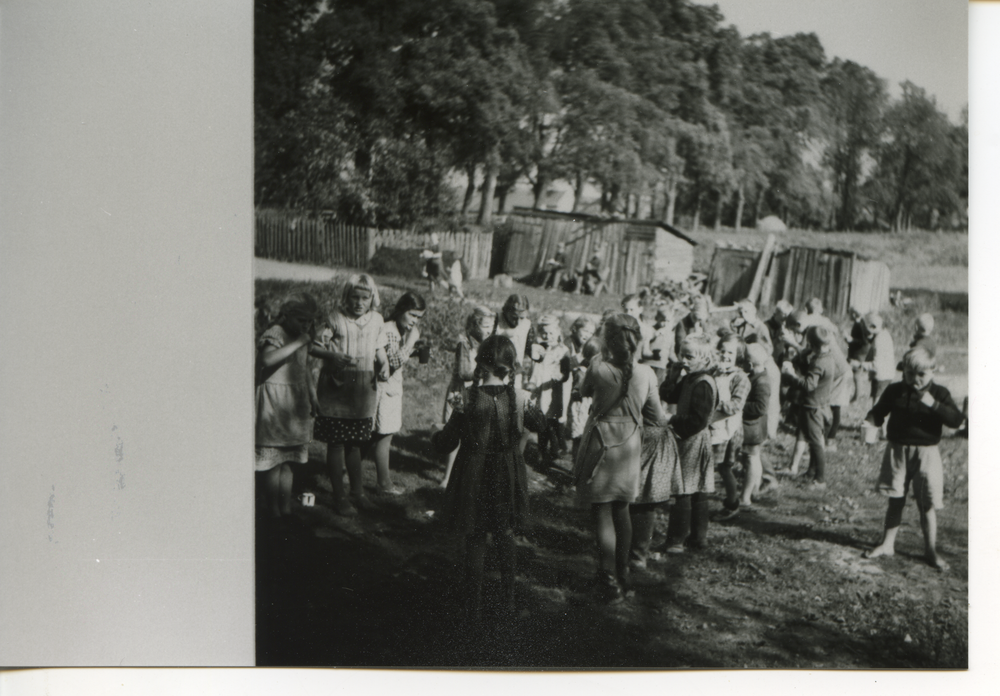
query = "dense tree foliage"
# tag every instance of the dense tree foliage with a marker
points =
(376, 108)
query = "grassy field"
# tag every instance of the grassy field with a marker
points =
(782, 587)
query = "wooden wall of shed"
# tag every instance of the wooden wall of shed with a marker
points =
(632, 255)
(869, 286)
(731, 275)
(838, 278)
(674, 258)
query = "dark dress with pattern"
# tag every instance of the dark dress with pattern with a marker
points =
(696, 398)
(488, 488)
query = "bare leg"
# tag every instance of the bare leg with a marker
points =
(524, 441)
(928, 520)
(755, 471)
(286, 488)
(335, 461)
(729, 482)
(623, 541)
(801, 447)
(355, 475)
(893, 518)
(605, 532)
(449, 463)
(382, 448)
(272, 486)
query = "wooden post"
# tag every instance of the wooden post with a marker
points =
(758, 276)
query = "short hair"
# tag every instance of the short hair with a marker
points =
(360, 280)
(818, 336)
(735, 339)
(479, 312)
(409, 301)
(815, 306)
(875, 319)
(582, 321)
(784, 307)
(745, 305)
(757, 355)
(550, 320)
(919, 358)
(701, 348)
(926, 323)
(516, 302)
(629, 298)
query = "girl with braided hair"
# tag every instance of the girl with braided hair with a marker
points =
(285, 400)
(607, 466)
(487, 493)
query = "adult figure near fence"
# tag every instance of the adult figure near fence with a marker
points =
(748, 326)
(555, 266)
(591, 278)
(432, 263)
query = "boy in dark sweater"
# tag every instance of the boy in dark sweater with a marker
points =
(811, 376)
(916, 408)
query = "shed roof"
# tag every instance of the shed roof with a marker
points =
(596, 219)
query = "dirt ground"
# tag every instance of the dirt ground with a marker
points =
(784, 586)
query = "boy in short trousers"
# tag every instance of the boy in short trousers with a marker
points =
(916, 409)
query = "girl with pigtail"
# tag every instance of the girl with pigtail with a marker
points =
(608, 464)
(285, 400)
(487, 493)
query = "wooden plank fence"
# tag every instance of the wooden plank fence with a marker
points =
(286, 235)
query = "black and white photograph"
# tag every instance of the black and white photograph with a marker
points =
(602, 341)
(611, 334)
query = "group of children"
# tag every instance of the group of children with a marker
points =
(649, 412)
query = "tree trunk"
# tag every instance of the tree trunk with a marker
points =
(739, 208)
(502, 192)
(489, 188)
(538, 189)
(718, 211)
(470, 188)
(697, 212)
(671, 202)
(758, 205)
(577, 191)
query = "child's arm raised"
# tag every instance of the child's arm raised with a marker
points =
(274, 356)
(939, 400)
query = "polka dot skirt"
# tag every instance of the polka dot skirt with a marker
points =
(335, 431)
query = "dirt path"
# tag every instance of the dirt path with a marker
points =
(281, 270)
(784, 586)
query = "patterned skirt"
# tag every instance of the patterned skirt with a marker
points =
(697, 467)
(660, 474)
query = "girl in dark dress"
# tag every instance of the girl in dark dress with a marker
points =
(487, 494)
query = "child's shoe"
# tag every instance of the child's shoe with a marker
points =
(608, 590)
(345, 509)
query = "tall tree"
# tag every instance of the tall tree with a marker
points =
(919, 167)
(855, 100)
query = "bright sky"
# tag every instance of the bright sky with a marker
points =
(923, 41)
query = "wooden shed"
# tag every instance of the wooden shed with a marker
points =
(840, 278)
(634, 252)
